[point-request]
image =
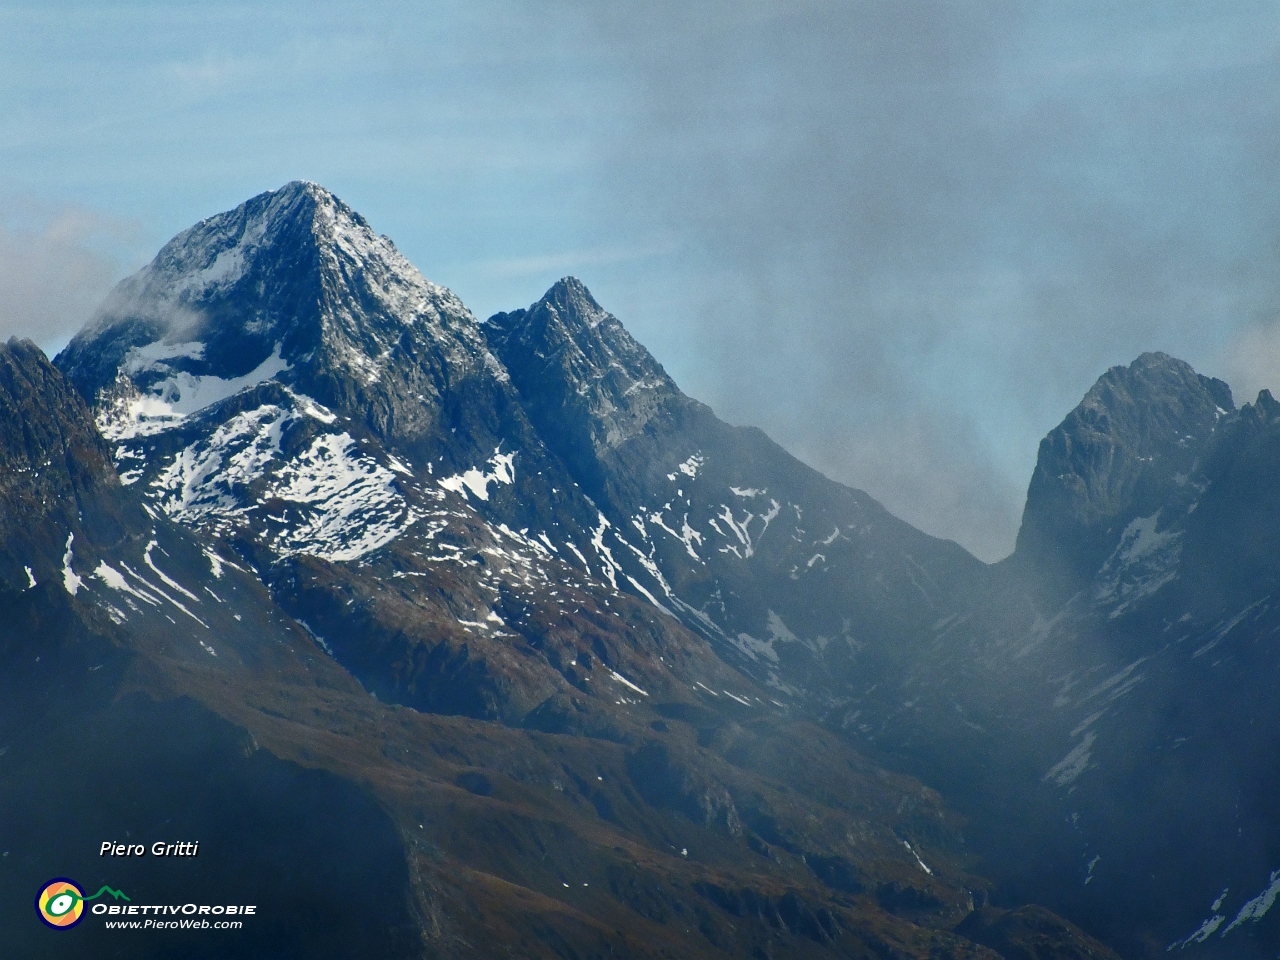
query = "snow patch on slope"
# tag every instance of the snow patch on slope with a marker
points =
(692, 465)
(340, 504)
(1144, 561)
(353, 508)
(745, 548)
(1066, 770)
(1203, 932)
(70, 579)
(1257, 908)
(627, 683)
(687, 534)
(172, 400)
(1252, 911)
(477, 481)
(755, 648)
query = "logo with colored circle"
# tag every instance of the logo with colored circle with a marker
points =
(60, 903)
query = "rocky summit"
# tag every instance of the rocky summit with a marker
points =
(451, 638)
(1124, 452)
(1099, 709)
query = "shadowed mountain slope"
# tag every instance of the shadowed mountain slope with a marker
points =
(1102, 712)
(795, 578)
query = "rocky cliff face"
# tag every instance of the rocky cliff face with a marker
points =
(294, 286)
(592, 390)
(52, 462)
(1126, 451)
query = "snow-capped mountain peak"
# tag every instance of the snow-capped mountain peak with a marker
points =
(567, 355)
(291, 285)
(278, 353)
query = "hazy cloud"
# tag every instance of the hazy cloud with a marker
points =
(55, 268)
(920, 230)
(1249, 361)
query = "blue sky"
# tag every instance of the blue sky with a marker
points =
(902, 237)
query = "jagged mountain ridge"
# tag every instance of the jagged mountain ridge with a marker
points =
(449, 557)
(257, 459)
(209, 698)
(1151, 506)
(294, 287)
(551, 535)
(625, 488)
